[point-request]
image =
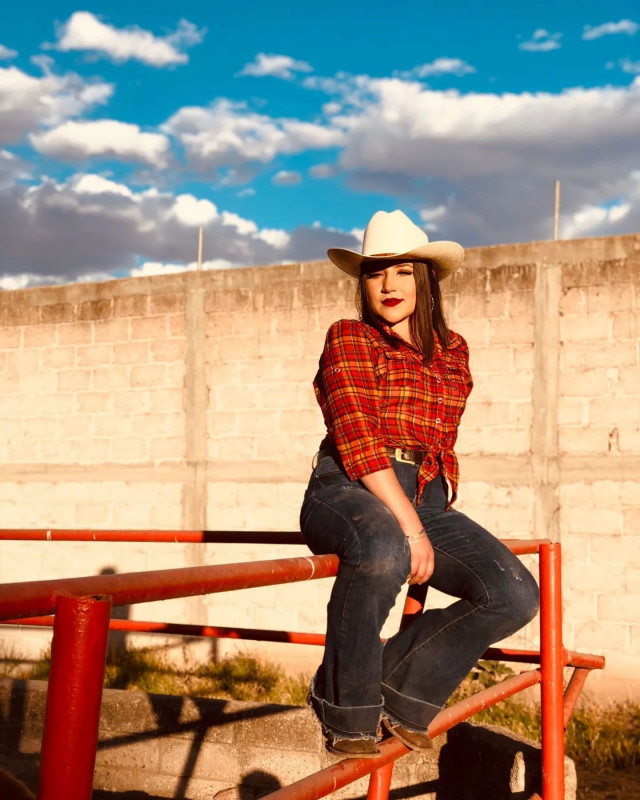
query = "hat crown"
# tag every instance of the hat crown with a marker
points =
(391, 233)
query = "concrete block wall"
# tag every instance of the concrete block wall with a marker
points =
(200, 748)
(185, 401)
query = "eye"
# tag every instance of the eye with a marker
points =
(405, 272)
(371, 275)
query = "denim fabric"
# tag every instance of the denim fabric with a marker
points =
(410, 677)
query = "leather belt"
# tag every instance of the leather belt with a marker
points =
(402, 454)
(406, 456)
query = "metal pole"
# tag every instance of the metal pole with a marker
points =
(556, 214)
(70, 739)
(36, 598)
(580, 675)
(379, 782)
(200, 243)
(551, 664)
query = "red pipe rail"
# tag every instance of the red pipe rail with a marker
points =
(80, 641)
(74, 693)
(517, 546)
(176, 537)
(584, 662)
(39, 597)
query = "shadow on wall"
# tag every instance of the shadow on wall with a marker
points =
(12, 730)
(117, 646)
(254, 785)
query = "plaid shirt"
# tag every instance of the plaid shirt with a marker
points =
(373, 395)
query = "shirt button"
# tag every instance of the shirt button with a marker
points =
(337, 369)
(439, 399)
(437, 420)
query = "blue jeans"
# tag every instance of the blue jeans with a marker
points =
(409, 678)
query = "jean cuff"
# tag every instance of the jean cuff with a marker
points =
(345, 722)
(416, 715)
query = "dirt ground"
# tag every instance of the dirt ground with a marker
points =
(609, 784)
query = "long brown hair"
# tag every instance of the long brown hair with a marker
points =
(428, 316)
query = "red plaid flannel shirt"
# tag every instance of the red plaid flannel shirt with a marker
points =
(373, 395)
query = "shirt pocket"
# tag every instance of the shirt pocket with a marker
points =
(456, 377)
(403, 384)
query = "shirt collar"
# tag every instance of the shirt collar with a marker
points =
(388, 330)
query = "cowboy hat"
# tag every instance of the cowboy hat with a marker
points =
(389, 237)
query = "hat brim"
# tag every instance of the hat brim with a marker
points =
(445, 256)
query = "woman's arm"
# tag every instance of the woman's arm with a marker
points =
(347, 391)
(386, 487)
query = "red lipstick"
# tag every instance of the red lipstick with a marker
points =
(391, 301)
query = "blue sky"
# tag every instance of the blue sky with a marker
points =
(282, 128)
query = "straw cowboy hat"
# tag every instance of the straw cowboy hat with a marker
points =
(389, 237)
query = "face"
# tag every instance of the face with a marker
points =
(391, 292)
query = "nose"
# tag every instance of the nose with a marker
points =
(388, 281)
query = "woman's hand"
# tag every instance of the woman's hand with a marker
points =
(422, 560)
(385, 486)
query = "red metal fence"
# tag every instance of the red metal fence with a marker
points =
(81, 624)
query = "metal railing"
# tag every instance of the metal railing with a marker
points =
(80, 615)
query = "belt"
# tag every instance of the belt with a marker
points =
(406, 456)
(402, 454)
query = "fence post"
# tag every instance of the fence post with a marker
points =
(551, 664)
(379, 782)
(74, 694)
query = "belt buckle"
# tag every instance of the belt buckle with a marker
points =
(400, 456)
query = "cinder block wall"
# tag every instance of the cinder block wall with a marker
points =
(185, 401)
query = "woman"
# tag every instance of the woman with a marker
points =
(392, 388)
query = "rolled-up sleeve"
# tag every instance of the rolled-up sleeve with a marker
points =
(347, 391)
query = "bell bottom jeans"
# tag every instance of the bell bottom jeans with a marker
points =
(408, 679)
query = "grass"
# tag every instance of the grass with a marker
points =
(598, 736)
(240, 677)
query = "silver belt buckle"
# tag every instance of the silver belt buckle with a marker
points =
(400, 456)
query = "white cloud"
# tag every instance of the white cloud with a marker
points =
(321, 171)
(27, 102)
(96, 184)
(158, 268)
(229, 135)
(415, 131)
(492, 159)
(244, 226)
(6, 54)
(632, 67)
(12, 169)
(351, 90)
(441, 66)
(430, 215)
(274, 66)
(627, 26)
(92, 228)
(84, 31)
(542, 41)
(286, 178)
(191, 212)
(106, 138)
(9, 283)
(592, 217)
(331, 108)
(275, 237)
